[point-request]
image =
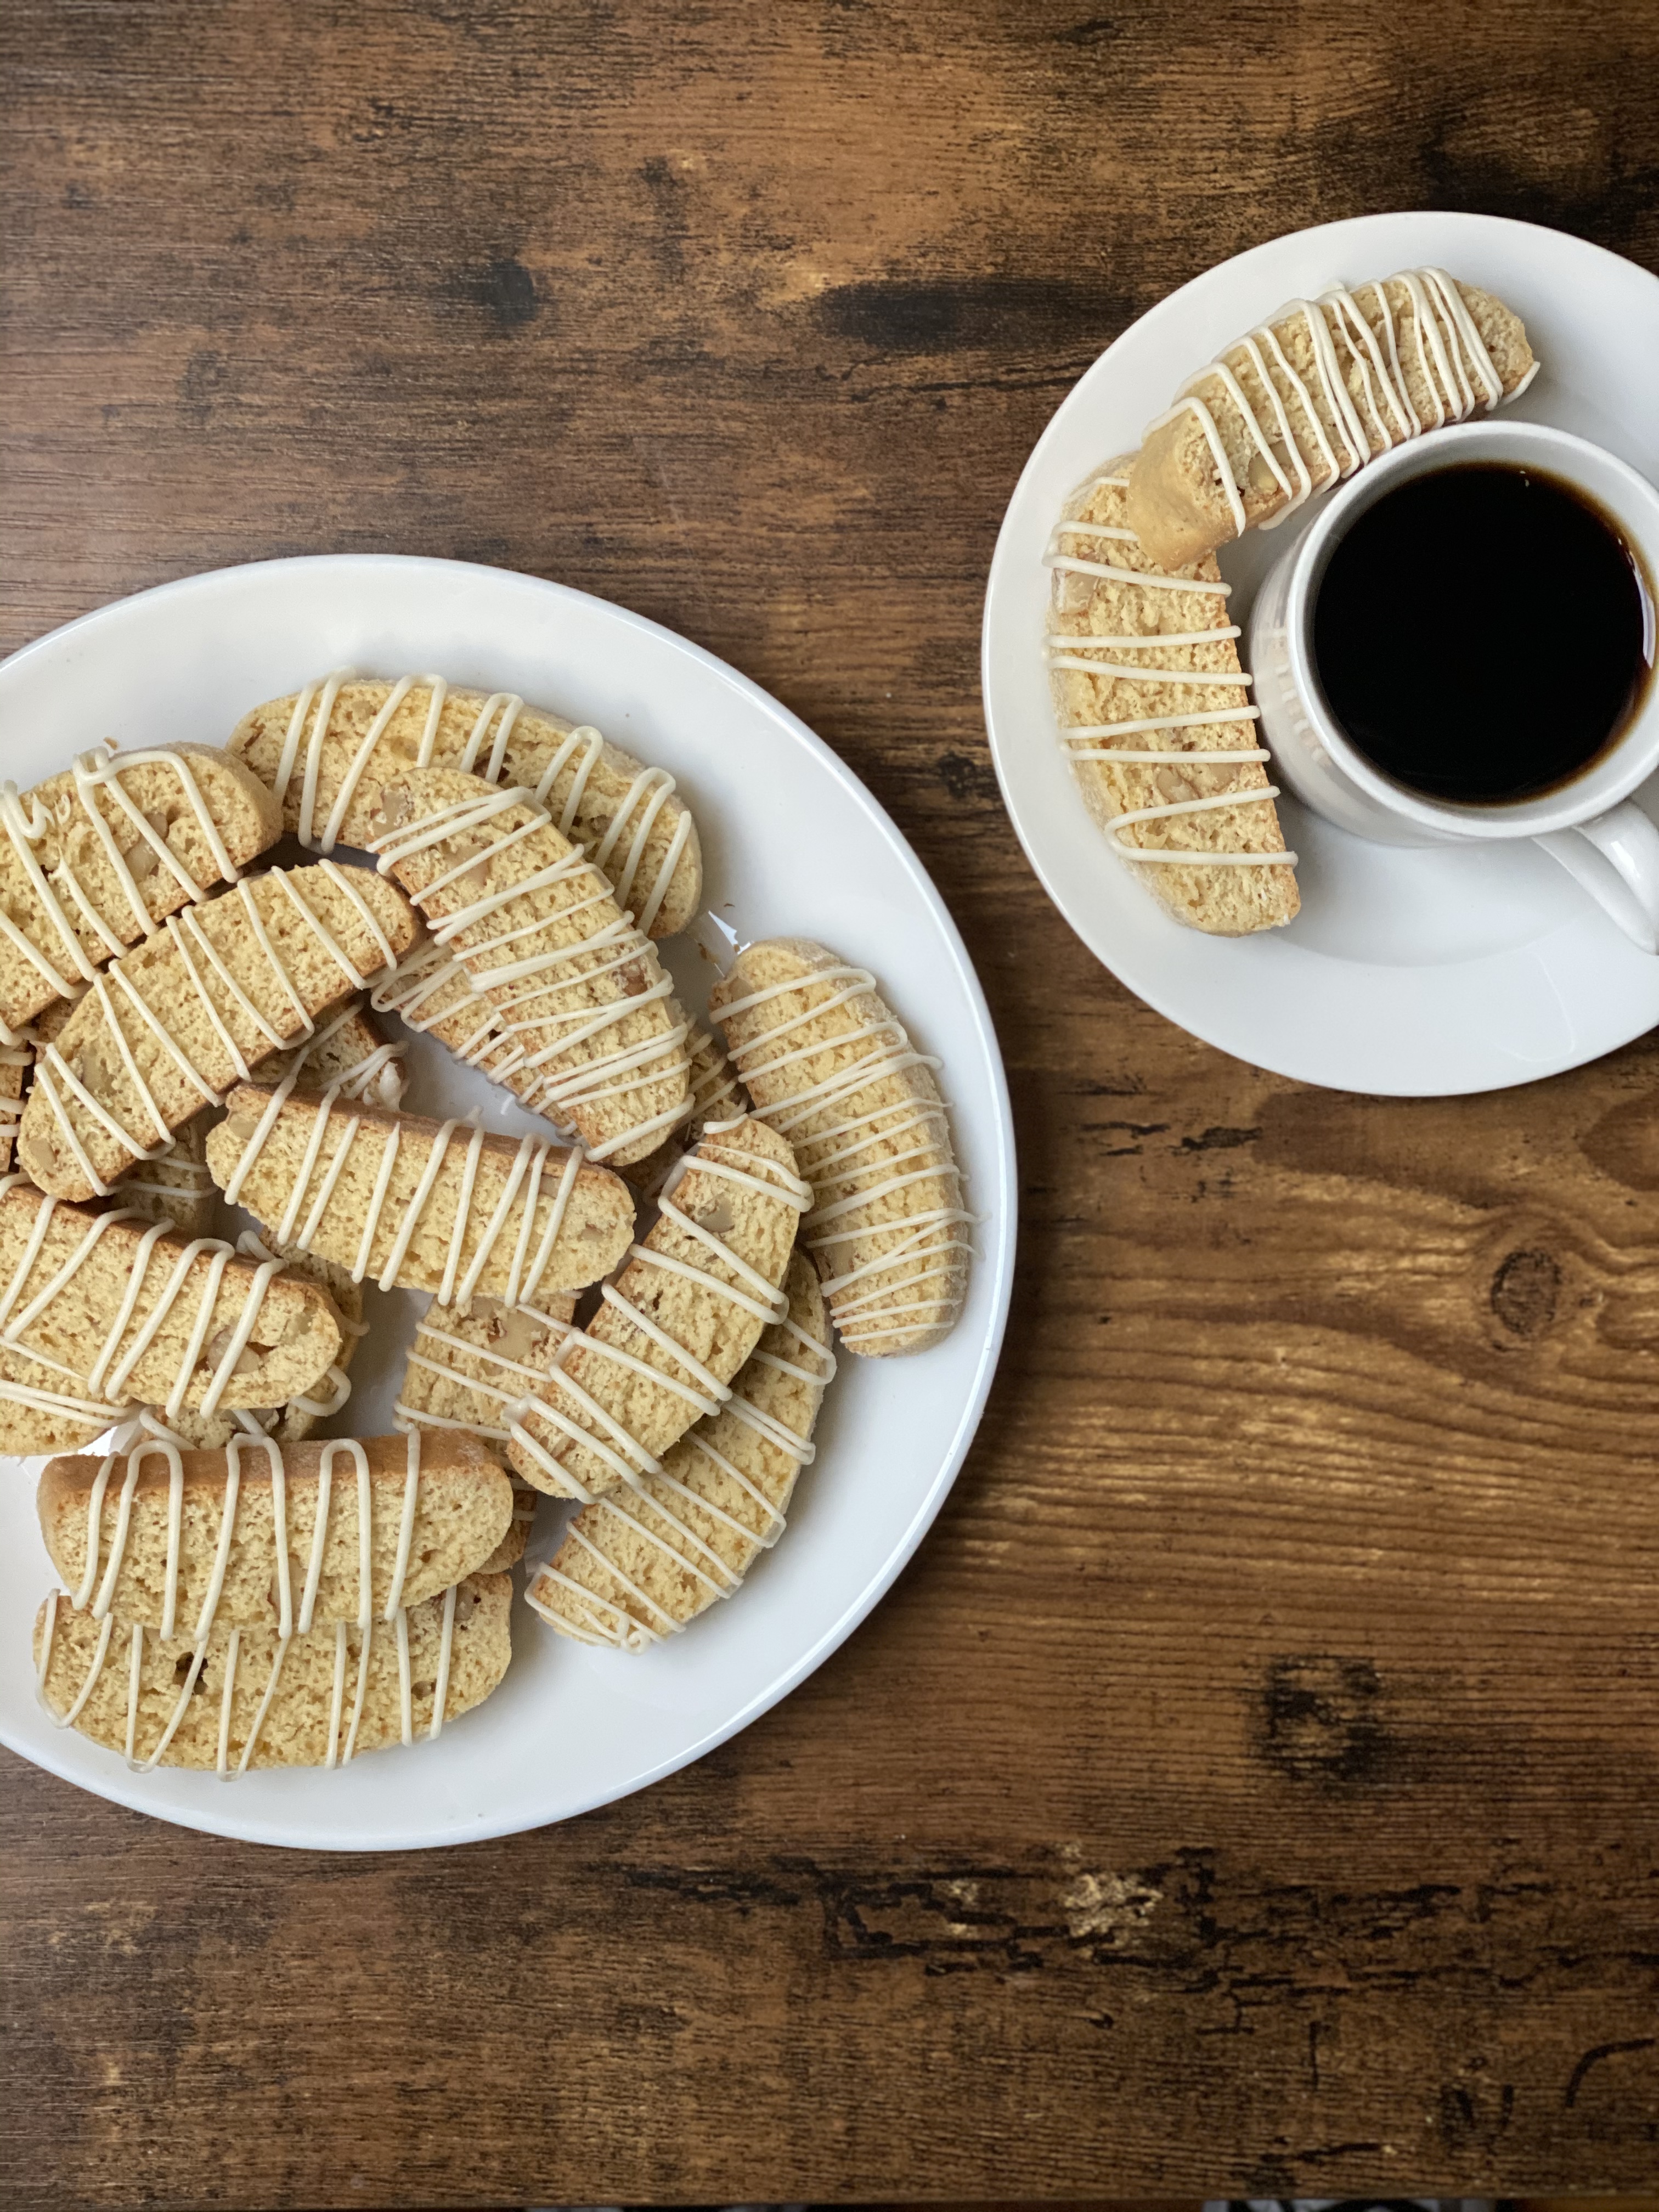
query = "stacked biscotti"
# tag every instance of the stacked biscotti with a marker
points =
(630, 1313)
(270, 1605)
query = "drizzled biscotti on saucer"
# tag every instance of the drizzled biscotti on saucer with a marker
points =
(1311, 395)
(419, 1205)
(179, 1020)
(238, 1698)
(638, 1564)
(831, 1067)
(95, 859)
(1155, 714)
(100, 1315)
(326, 751)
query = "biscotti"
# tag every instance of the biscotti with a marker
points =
(463, 1370)
(1313, 395)
(573, 980)
(349, 1052)
(265, 1535)
(16, 1062)
(419, 1205)
(175, 1021)
(93, 860)
(327, 751)
(675, 1327)
(640, 1563)
(1155, 715)
(831, 1067)
(243, 1697)
(99, 1314)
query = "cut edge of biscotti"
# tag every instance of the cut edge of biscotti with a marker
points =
(319, 1699)
(896, 1279)
(652, 857)
(246, 820)
(156, 1038)
(1179, 501)
(632, 1568)
(44, 1407)
(439, 1508)
(268, 1156)
(1218, 898)
(671, 1331)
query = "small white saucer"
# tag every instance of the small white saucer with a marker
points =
(1411, 973)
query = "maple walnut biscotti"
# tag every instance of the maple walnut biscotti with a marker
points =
(263, 1535)
(831, 1067)
(676, 1326)
(419, 1205)
(93, 860)
(178, 1020)
(348, 1052)
(243, 1697)
(1312, 395)
(99, 1314)
(1154, 712)
(464, 1369)
(327, 751)
(642, 1561)
(573, 980)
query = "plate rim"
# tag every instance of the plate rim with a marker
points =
(998, 1259)
(1271, 1056)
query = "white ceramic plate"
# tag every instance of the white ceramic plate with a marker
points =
(1411, 973)
(792, 843)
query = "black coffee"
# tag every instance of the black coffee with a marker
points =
(1481, 632)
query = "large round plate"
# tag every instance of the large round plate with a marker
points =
(1407, 972)
(794, 844)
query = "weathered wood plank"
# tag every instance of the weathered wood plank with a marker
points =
(1253, 1783)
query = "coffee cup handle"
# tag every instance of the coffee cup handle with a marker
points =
(1616, 856)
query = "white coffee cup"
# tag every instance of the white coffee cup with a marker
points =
(1590, 824)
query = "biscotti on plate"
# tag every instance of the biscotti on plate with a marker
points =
(638, 1564)
(1155, 714)
(534, 920)
(327, 751)
(677, 1324)
(829, 1067)
(1312, 394)
(260, 1535)
(96, 858)
(420, 1204)
(175, 1021)
(100, 1314)
(247, 1697)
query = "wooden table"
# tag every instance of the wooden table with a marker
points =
(1252, 1784)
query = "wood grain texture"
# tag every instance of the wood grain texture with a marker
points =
(1252, 1784)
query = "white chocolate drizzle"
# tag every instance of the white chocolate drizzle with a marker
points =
(1104, 741)
(566, 1091)
(26, 822)
(847, 1163)
(116, 991)
(97, 1593)
(110, 1366)
(532, 1165)
(600, 1623)
(599, 1430)
(621, 851)
(1451, 359)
